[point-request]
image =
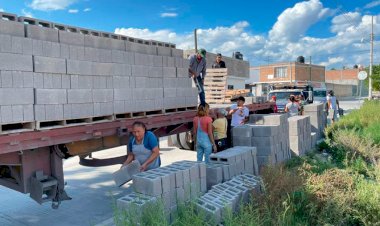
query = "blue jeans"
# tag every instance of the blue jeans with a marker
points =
(202, 96)
(204, 148)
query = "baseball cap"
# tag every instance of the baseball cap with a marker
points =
(202, 52)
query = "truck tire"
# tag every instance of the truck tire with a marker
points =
(175, 141)
(186, 141)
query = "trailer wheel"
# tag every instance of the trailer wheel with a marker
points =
(175, 141)
(186, 140)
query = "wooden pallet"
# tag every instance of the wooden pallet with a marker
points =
(215, 85)
(17, 127)
(42, 125)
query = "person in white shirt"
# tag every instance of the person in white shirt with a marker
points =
(333, 106)
(292, 108)
(239, 114)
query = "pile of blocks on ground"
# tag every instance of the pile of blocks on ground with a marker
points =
(259, 99)
(173, 185)
(231, 162)
(300, 135)
(269, 134)
(186, 181)
(318, 120)
(227, 197)
(54, 72)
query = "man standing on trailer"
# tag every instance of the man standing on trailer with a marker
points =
(219, 63)
(197, 70)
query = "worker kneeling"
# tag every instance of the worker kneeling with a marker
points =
(143, 147)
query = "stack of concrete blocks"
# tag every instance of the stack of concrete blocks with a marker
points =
(132, 207)
(318, 119)
(229, 163)
(265, 138)
(281, 141)
(300, 135)
(227, 197)
(173, 184)
(16, 71)
(57, 72)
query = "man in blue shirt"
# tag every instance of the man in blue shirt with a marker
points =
(197, 70)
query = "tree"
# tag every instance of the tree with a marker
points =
(375, 77)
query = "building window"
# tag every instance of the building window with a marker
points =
(281, 72)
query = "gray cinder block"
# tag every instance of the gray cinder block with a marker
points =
(54, 112)
(76, 67)
(51, 96)
(16, 96)
(125, 173)
(49, 65)
(41, 33)
(102, 95)
(147, 184)
(71, 38)
(15, 62)
(13, 28)
(77, 96)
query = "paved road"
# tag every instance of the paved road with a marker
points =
(92, 190)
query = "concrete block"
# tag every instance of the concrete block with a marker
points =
(147, 184)
(65, 51)
(96, 42)
(155, 72)
(41, 33)
(54, 112)
(71, 38)
(180, 195)
(37, 49)
(6, 114)
(139, 70)
(182, 73)
(51, 49)
(77, 96)
(17, 113)
(241, 141)
(28, 113)
(140, 48)
(13, 28)
(82, 110)
(6, 79)
(49, 65)
(6, 45)
(15, 62)
(211, 212)
(123, 94)
(168, 61)
(102, 95)
(105, 56)
(164, 51)
(125, 173)
(51, 96)
(214, 174)
(177, 52)
(39, 112)
(265, 130)
(16, 96)
(76, 67)
(86, 81)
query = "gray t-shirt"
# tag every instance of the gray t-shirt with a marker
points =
(198, 67)
(292, 108)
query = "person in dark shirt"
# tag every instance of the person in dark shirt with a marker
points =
(219, 63)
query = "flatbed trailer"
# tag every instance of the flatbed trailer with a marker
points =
(31, 162)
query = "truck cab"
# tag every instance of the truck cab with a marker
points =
(283, 91)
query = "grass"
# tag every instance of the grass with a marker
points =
(337, 184)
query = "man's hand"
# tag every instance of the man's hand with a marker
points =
(214, 148)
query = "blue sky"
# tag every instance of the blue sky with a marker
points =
(333, 32)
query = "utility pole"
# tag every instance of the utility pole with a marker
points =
(195, 40)
(370, 64)
(310, 69)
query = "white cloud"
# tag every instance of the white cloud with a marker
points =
(1, 10)
(292, 23)
(164, 15)
(26, 13)
(342, 47)
(51, 5)
(87, 10)
(332, 61)
(345, 21)
(372, 4)
(73, 11)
